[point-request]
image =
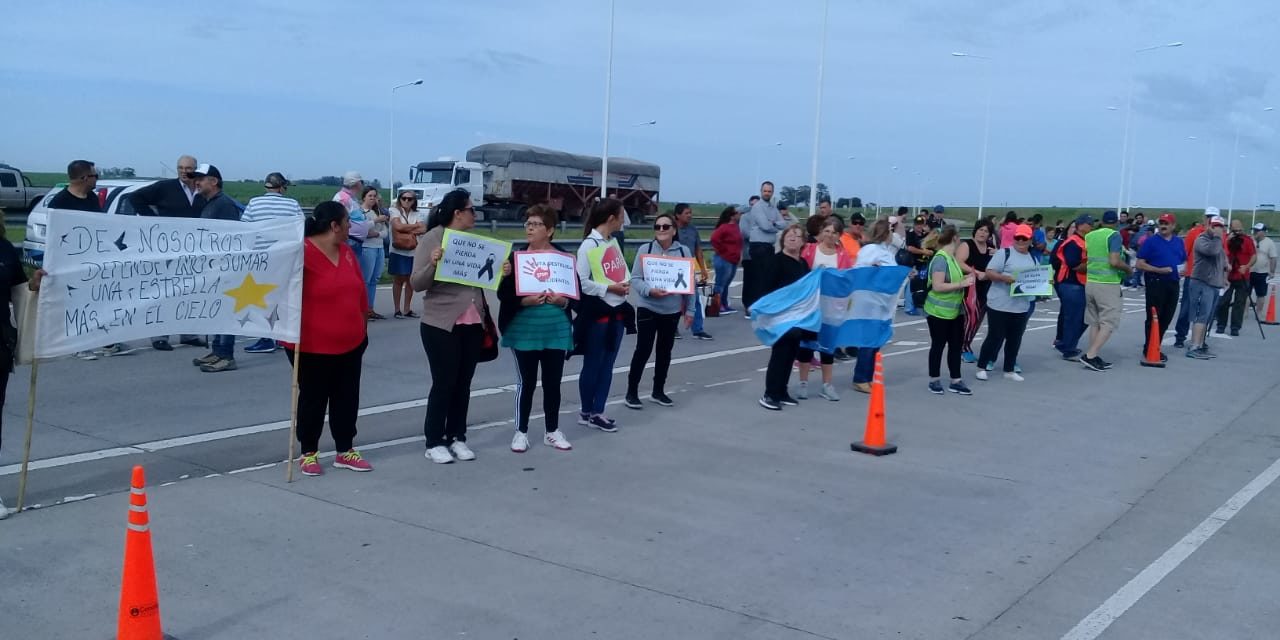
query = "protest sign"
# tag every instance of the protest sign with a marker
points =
(114, 278)
(608, 265)
(674, 275)
(472, 260)
(540, 271)
(1036, 281)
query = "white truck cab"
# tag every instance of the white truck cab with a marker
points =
(432, 180)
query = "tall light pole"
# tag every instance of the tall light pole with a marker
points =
(608, 99)
(391, 150)
(631, 138)
(760, 159)
(1128, 117)
(851, 190)
(986, 128)
(1235, 159)
(817, 117)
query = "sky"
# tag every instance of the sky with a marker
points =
(255, 86)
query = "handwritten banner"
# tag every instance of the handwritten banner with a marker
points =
(541, 271)
(675, 275)
(115, 278)
(608, 265)
(472, 260)
(1036, 281)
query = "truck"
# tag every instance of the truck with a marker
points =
(505, 179)
(16, 192)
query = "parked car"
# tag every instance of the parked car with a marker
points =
(16, 192)
(109, 196)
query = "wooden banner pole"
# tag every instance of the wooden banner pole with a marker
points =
(26, 448)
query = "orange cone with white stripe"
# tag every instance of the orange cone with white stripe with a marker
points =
(139, 603)
(1271, 307)
(873, 437)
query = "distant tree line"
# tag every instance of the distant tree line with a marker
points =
(800, 196)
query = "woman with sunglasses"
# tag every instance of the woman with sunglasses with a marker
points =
(407, 226)
(826, 252)
(602, 317)
(452, 332)
(657, 315)
(1006, 314)
(371, 250)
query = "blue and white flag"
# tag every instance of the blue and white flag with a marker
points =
(846, 308)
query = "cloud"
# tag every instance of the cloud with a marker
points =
(496, 61)
(1224, 99)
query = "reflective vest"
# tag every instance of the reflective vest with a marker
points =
(1099, 266)
(946, 305)
(1065, 273)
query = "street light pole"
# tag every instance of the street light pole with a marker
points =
(608, 98)
(817, 118)
(391, 148)
(986, 129)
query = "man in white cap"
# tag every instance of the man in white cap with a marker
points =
(350, 193)
(1183, 325)
(1264, 267)
(1208, 276)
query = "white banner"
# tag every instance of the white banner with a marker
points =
(115, 278)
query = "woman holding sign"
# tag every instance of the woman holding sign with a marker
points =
(1006, 314)
(453, 332)
(538, 330)
(661, 279)
(602, 311)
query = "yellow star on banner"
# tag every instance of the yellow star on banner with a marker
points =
(249, 293)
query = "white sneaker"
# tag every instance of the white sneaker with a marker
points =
(557, 440)
(1013, 375)
(86, 355)
(982, 374)
(829, 392)
(802, 391)
(4, 513)
(520, 442)
(439, 455)
(461, 451)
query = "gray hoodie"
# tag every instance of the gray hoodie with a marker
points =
(764, 222)
(640, 289)
(1211, 261)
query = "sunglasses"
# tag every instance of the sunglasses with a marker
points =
(1021, 239)
(407, 198)
(662, 227)
(470, 210)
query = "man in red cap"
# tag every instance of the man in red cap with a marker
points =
(1158, 258)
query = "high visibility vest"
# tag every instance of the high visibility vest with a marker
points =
(1065, 273)
(946, 305)
(1099, 267)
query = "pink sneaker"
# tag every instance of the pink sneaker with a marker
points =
(309, 464)
(351, 460)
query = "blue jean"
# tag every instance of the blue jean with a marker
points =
(865, 367)
(224, 347)
(908, 304)
(697, 312)
(599, 353)
(725, 271)
(371, 268)
(1071, 315)
(1183, 325)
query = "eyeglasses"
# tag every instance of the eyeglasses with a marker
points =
(662, 227)
(89, 175)
(534, 224)
(470, 210)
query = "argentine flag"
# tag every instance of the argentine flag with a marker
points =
(846, 308)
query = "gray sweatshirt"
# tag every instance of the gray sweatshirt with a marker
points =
(1211, 261)
(764, 222)
(640, 289)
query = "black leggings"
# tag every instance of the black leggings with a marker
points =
(332, 382)
(451, 356)
(651, 327)
(527, 363)
(781, 358)
(945, 334)
(806, 355)
(1003, 329)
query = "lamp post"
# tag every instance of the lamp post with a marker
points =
(608, 99)
(817, 117)
(986, 128)
(1128, 117)
(631, 138)
(391, 176)
(1235, 160)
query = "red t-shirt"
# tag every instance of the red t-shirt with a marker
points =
(335, 301)
(727, 241)
(1237, 259)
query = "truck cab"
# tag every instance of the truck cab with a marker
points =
(16, 191)
(432, 180)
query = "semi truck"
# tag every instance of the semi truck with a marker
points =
(506, 179)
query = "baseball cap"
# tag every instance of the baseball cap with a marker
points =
(1217, 221)
(939, 209)
(1168, 217)
(920, 220)
(350, 178)
(1211, 211)
(857, 219)
(1022, 231)
(208, 170)
(1259, 227)
(275, 180)
(1109, 217)
(1151, 223)
(1085, 219)
(894, 220)
(742, 208)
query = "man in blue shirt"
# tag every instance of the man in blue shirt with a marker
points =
(1158, 258)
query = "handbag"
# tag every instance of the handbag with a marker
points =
(403, 240)
(904, 258)
(488, 345)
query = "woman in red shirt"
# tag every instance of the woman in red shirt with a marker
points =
(334, 311)
(727, 242)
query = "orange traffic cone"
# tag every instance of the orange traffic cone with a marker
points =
(1152, 359)
(139, 603)
(1271, 307)
(873, 438)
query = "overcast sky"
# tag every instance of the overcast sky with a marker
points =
(303, 87)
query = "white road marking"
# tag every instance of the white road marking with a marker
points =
(1108, 612)
(721, 384)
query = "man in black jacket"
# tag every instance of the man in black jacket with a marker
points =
(174, 198)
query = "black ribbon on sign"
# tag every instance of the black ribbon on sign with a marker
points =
(488, 266)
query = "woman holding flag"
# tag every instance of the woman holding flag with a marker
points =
(879, 251)
(787, 267)
(826, 252)
(944, 305)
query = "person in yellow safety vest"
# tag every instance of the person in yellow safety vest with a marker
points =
(943, 308)
(1104, 302)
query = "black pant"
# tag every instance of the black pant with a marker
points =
(1003, 329)
(451, 356)
(1163, 296)
(949, 335)
(6, 358)
(781, 358)
(806, 356)
(527, 363)
(755, 272)
(1234, 300)
(652, 326)
(328, 382)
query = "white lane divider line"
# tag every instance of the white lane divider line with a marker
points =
(1108, 612)
(721, 384)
